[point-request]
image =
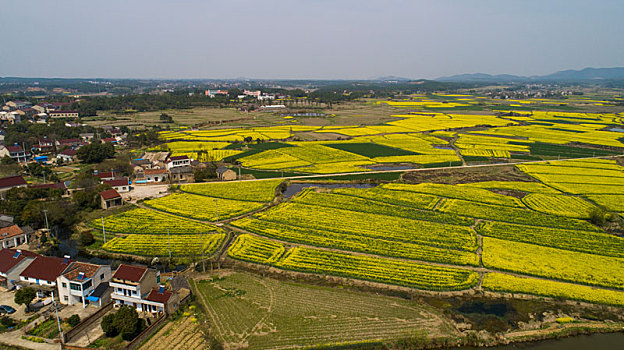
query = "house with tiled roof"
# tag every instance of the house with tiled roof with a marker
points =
(162, 300)
(155, 175)
(121, 184)
(68, 155)
(12, 263)
(43, 272)
(110, 199)
(71, 143)
(12, 236)
(15, 152)
(63, 114)
(7, 183)
(79, 280)
(104, 175)
(132, 284)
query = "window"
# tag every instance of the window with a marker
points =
(74, 286)
(64, 284)
(101, 276)
(65, 297)
(86, 285)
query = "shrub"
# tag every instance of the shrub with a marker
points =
(73, 320)
(7, 322)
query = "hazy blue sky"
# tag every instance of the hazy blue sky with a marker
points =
(306, 39)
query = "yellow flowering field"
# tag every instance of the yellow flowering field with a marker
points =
(500, 282)
(157, 245)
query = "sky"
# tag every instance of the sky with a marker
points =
(306, 39)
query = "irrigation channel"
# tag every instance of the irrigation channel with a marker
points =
(606, 341)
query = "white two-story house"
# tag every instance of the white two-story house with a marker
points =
(132, 284)
(79, 280)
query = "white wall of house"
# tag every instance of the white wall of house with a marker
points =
(80, 290)
(13, 275)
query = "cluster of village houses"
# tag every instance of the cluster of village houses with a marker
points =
(63, 149)
(73, 282)
(152, 167)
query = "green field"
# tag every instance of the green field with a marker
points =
(249, 311)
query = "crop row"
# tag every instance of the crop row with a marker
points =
(202, 207)
(512, 215)
(372, 225)
(553, 263)
(146, 221)
(158, 245)
(376, 269)
(255, 191)
(507, 283)
(356, 243)
(614, 202)
(377, 206)
(561, 205)
(581, 241)
(402, 198)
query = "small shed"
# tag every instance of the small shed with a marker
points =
(110, 199)
(225, 174)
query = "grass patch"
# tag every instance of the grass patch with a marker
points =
(552, 150)
(253, 148)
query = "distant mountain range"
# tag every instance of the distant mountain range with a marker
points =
(587, 74)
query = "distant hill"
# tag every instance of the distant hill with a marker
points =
(587, 74)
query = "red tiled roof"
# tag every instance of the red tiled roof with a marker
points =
(11, 231)
(178, 157)
(159, 297)
(46, 268)
(155, 171)
(109, 139)
(117, 182)
(8, 259)
(56, 185)
(88, 270)
(69, 152)
(12, 181)
(130, 272)
(68, 141)
(110, 194)
(105, 174)
(14, 149)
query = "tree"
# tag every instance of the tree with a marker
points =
(96, 152)
(24, 296)
(166, 118)
(107, 325)
(86, 238)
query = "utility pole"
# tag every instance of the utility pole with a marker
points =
(45, 212)
(103, 230)
(169, 241)
(58, 321)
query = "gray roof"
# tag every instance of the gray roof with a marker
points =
(222, 169)
(100, 290)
